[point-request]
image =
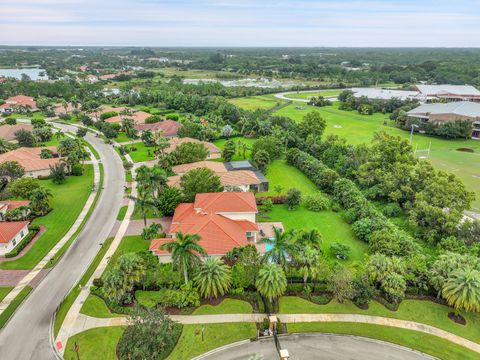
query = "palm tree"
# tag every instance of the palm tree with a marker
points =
(160, 143)
(59, 134)
(132, 266)
(280, 246)
(185, 250)
(39, 200)
(307, 260)
(309, 238)
(213, 278)
(462, 290)
(154, 179)
(5, 146)
(143, 201)
(149, 232)
(271, 281)
(112, 284)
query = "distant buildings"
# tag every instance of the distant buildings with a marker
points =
(138, 117)
(18, 103)
(384, 94)
(222, 220)
(438, 113)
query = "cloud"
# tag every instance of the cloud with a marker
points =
(241, 23)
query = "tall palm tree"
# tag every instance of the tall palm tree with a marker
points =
(462, 290)
(281, 246)
(143, 201)
(149, 232)
(153, 179)
(309, 238)
(307, 260)
(271, 281)
(213, 278)
(40, 200)
(185, 250)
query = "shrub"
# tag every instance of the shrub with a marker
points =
(316, 202)
(44, 177)
(392, 210)
(10, 121)
(173, 116)
(108, 114)
(153, 119)
(340, 251)
(266, 206)
(98, 282)
(77, 170)
(294, 197)
(127, 165)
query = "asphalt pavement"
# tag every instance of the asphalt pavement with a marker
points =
(26, 336)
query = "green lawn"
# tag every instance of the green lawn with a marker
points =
(99, 343)
(428, 344)
(358, 129)
(142, 153)
(220, 143)
(72, 295)
(8, 312)
(227, 306)
(330, 224)
(191, 343)
(262, 102)
(122, 212)
(67, 202)
(307, 95)
(122, 137)
(96, 307)
(4, 290)
(128, 244)
(280, 173)
(422, 311)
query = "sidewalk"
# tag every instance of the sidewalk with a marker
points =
(87, 322)
(25, 281)
(71, 319)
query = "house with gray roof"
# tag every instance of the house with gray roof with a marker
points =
(446, 112)
(448, 92)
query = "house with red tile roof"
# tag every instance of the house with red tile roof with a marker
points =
(18, 103)
(12, 205)
(138, 117)
(213, 151)
(222, 220)
(30, 160)
(7, 132)
(169, 128)
(11, 233)
(241, 180)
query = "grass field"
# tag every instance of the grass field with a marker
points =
(4, 290)
(308, 95)
(286, 176)
(330, 224)
(357, 129)
(122, 137)
(227, 306)
(96, 307)
(99, 343)
(428, 344)
(67, 202)
(262, 102)
(142, 153)
(422, 311)
(8, 312)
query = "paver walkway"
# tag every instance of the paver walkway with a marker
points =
(26, 280)
(88, 322)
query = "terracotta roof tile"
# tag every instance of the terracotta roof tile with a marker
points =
(168, 127)
(213, 165)
(9, 229)
(29, 158)
(7, 132)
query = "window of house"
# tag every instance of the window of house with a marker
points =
(14, 242)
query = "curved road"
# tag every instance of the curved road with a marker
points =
(319, 346)
(284, 95)
(26, 336)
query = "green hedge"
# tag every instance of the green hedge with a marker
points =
(31, 234)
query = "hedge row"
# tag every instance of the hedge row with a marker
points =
(31, 234)
(369, 224)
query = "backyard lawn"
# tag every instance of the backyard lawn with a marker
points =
(67, 202)
(99, 343)
(428, 344)
(279, 173)
(262, 102)
(128, 244)
(330, 224)
(356, 129)
(142, 153)
(122, 137)
(422, 311)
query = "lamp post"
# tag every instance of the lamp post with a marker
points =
(411, 132)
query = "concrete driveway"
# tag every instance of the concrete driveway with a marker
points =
(320, 346)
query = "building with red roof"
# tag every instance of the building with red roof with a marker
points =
(30, 160)
(138, 117)
(18, 103)
(12, 205)
(11, 233)
(169, 128)
(222, 220)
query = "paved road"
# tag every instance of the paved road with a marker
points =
(284, 95)
(320, 346)
(26, 336)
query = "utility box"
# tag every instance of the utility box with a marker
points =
(273, 323)
(284, 355)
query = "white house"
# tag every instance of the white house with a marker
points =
(11, 233)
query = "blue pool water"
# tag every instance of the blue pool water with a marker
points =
(268, 247)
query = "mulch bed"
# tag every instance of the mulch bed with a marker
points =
(466, 150)
(459, 319)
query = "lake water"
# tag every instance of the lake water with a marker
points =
(33, 73)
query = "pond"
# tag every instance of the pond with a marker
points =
(33, 73)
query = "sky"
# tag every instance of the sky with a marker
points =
(261, 23)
